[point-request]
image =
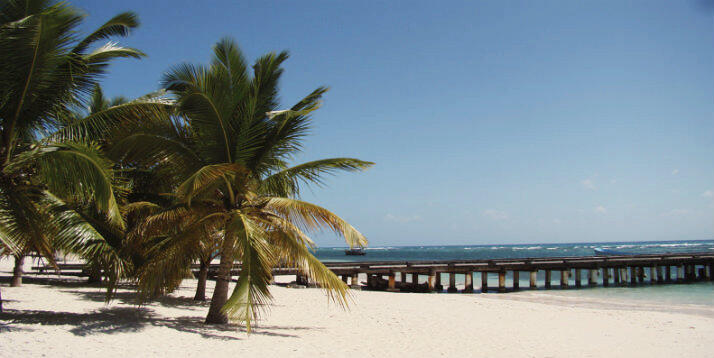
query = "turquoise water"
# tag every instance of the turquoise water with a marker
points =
(701, 293)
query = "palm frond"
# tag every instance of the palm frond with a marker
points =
(251, 293)
(287, 181)
(207, 177)
(312, 217)
(119, 25)
(75, 170)
(103, 120)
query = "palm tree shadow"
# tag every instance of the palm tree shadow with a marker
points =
(50, 281)
(132, 319)
(132, 298)
(106, 320)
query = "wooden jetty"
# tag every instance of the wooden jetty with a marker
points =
(576, 271)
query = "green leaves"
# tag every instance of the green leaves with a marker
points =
(75, 170)
(209, 177)
(119, 25)
(44, 69)
(312, 217)
(251, 291)
(102, 121)
(287, 181)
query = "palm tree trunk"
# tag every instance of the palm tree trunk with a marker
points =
(201, 287)
(95, 274)
(17, 271)
(223, 278)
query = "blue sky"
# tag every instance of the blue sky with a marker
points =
(490, 122)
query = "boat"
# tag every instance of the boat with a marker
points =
(607, 252)
(357, 251)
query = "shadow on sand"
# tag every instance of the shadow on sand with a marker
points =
(131, 298)
(129, 319)
(133, 319)
(111, 320)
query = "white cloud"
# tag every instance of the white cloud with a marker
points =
(708, 194)
(401, 219)
(588, 184)
(600, 209)
(495, 214)
(675, 172)
(676, 212)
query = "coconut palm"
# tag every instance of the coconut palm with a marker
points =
(47, 155)
(232, 148)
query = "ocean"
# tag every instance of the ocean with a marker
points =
(696, 294)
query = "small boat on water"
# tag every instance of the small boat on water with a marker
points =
(357, 251)
(607, 252)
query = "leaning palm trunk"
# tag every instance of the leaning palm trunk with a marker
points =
(18, 271)
(201, 286)
(216, 314)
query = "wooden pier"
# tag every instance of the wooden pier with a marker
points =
(576, 272)
(572, 272)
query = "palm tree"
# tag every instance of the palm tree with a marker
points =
(232, 147)
(47, 155)
(118, 252)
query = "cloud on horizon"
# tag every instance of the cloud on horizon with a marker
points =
(401, 219)
(588, 184)
(496, 215)
(676, 212)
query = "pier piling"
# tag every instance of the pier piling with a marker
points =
(605, 277)
(668, 273)
(452, 282)
(533, 279)
(640, 274)
(392, 282)
(547, 279)
(564, 278)
(484, 281)
(633, 276)
(501, 281)
(578, 282)
(469, 282)
(516, 280)
(592, 277)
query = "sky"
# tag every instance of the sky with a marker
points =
(490, 122)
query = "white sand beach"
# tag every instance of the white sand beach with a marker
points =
(70, 319)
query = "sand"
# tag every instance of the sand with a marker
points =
(70, 319)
